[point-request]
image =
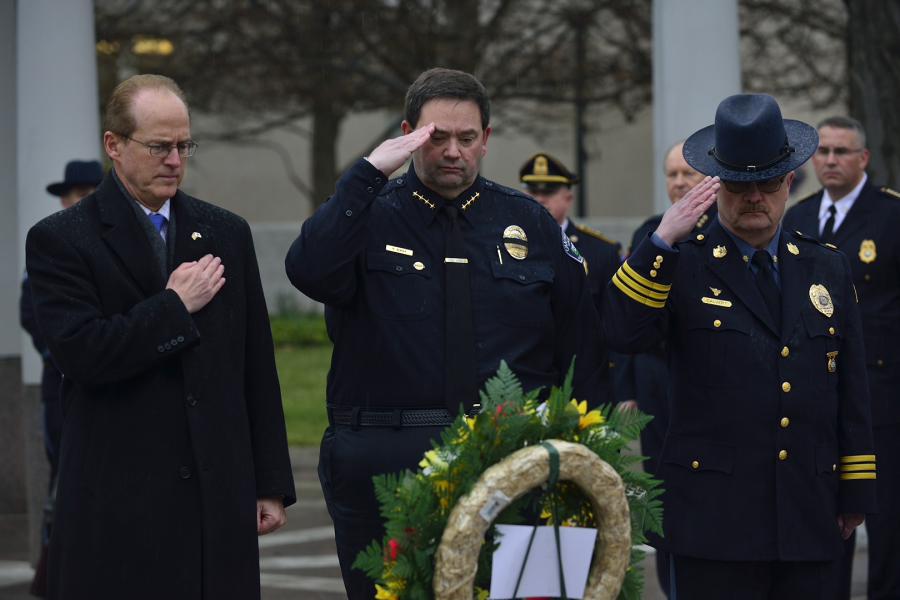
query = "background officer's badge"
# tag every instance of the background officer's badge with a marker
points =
(793, 249)
(720, 251)
(516, 242)
(573, 253)
(821, 299)
(867, 252)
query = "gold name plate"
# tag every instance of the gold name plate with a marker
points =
(716, 302)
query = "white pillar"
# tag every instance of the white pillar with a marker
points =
(696, 64)
(58, 114)
(10, 275)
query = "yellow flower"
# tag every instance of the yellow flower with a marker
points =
(433, 463)
(384, 594)
(587, 419)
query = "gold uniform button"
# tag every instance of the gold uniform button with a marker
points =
(659, 258)
(695, 464)
(785, 422)
(656, 265)
(717, 323)
(782, 455)
(652, 272)
(700, 237)
(879, 362)
(831, 330)
(785, 352)
(418, 266)
(786, 386)
(866, 277)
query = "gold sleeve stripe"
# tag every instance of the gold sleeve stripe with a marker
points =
(640, 289)
(859, 467)
(634, 295)
(858, 458)
(660, 287)
(845, 476)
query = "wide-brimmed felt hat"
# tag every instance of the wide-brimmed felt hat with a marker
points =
(750, 141)
(544, 172)
(78, 172)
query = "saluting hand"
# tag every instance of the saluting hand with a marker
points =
(681, 217)
(197, 282)
(391, 154)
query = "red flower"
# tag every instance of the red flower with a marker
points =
(393, 549)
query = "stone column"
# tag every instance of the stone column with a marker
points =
(696, 64)
(57, 114)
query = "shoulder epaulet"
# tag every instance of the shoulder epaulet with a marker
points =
(890, 192)
(808, 238)
(395, 183)
(594, 234)
(502, 189)
(810, 197)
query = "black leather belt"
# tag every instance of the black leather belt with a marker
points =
(355, 416)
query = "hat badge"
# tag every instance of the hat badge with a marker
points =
(540, 166)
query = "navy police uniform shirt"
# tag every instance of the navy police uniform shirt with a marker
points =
(770, 432)
(374, 255)
(870, 237)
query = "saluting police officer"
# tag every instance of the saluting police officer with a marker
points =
(768, 460)
(429, 281)
(862, 220)
(549, 182)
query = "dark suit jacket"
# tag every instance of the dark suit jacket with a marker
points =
(173, 422)
(870, 237)
(770, 435)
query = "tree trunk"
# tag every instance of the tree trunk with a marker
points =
(326, 127)
(873, 45)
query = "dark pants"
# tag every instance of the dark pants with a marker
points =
(348, 459)
(884, 527)
(701, 579)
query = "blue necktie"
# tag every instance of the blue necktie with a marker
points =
(159, 221)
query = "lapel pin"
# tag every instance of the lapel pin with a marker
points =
(720, 251)
(196, 236)
(715, 291)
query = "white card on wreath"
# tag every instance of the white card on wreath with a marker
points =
(541, 576)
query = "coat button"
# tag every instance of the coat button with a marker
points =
(191, 400)
(695, 464)
(785, 422)
(173, 341)
(348, 212)
(398, 268)
(717, 323)
(831, 330)
(160, 349)
(786, 386)
(167, 346)
(879, 362)
(782, 455)
(659, 258)
(785, 352)
(184, 473)
(180, 339)
(370, 189)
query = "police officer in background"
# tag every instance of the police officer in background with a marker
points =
(549, 182)
(863, 221)
(642, 380)
(768, 461)
(429, 281)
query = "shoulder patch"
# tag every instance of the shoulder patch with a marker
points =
(890, 192)
(570, 249)
(595, 234)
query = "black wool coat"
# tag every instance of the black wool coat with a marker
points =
(173, 422)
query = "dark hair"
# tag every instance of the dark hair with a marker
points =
(119, 117)
(841, 122)
(445, 83)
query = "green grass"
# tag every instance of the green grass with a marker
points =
(302, 371)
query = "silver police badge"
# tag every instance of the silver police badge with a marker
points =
(821, 299)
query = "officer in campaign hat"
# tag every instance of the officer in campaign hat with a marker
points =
(768, 459)
(550, 182)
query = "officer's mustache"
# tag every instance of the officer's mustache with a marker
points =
(759, 208)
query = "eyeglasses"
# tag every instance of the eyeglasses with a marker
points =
(839, 152)
(769, 186)
(185, 149)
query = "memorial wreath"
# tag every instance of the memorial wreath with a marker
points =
(417, 506)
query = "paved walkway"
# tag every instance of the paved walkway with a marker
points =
(299, 561)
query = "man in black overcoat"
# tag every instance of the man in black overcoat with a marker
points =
(862, 220)
(174, 454)
(768, 461)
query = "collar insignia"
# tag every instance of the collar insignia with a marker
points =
(720, 251)
(793, 249)
(423, 200)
